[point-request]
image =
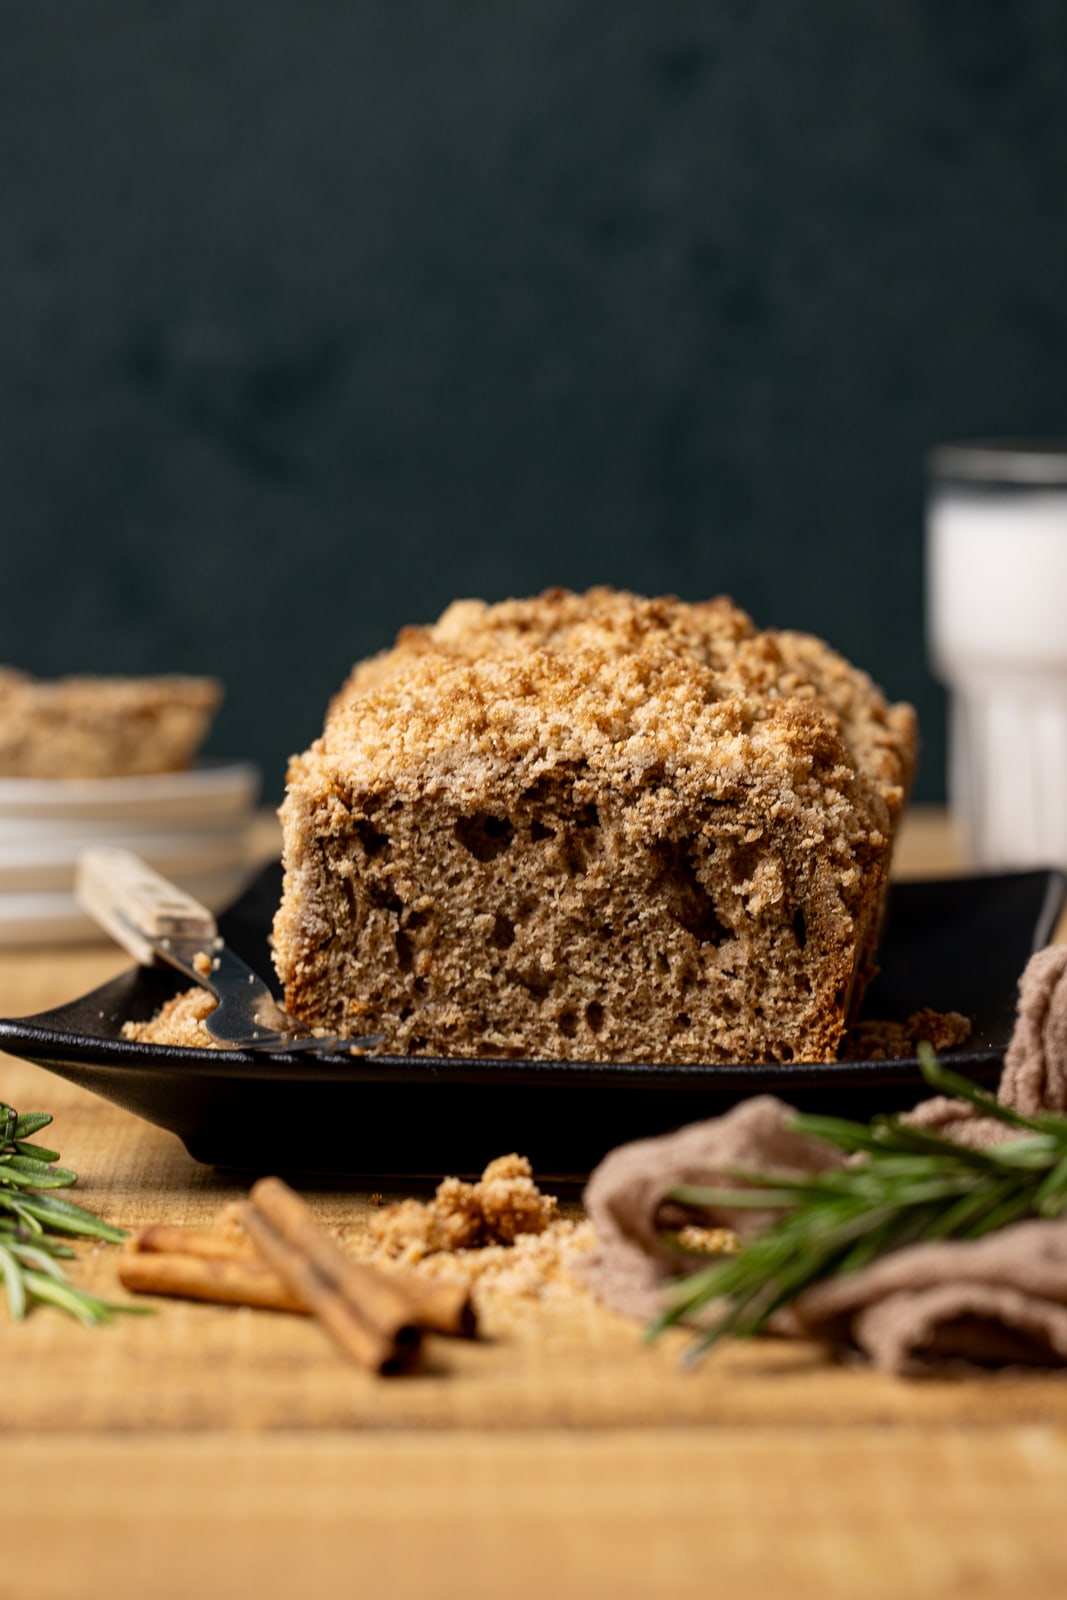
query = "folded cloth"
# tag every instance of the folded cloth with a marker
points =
(1035, 1066)
(993, 1300)
(987, 1301)
(626, 1195)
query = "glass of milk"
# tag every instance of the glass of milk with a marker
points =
(997, 632)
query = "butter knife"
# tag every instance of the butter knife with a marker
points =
(156, 921)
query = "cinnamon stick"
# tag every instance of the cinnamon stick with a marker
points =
(168, 1239)
(182, 1266)
(197, 1264)
(441, 1305)
(244, 1282)
(368, 1317)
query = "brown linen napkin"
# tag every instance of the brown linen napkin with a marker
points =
(991, 1301)
(1035, 1066)
(988, 1301)
(626, 1194)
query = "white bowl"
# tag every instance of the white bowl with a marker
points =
(43, 865)
(56, 918)
(191, 797)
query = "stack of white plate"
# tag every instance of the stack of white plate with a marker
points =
(194, 827)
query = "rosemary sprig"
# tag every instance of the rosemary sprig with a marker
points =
(911, 1185)
(31, 1217)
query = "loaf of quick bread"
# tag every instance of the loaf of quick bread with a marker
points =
(593, 827)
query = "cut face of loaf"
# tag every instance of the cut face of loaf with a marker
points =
(581, 854)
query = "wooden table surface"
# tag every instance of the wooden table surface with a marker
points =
(208, 1450)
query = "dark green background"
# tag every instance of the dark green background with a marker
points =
(315, 315)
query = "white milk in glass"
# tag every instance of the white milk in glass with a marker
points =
(997, 622)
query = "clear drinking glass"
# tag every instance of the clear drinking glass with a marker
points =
(997, 636)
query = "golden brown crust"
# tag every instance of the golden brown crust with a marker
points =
(86, 727)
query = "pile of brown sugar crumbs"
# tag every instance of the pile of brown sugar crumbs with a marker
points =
(179, 1021)
(501, 1234)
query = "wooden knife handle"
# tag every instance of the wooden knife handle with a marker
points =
(136, 906)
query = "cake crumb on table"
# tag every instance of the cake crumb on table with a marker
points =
(707, 1241)
(504, 1203)
(502, 1235)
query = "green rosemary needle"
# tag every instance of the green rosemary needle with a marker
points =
(912, 1185)
(30, 1219)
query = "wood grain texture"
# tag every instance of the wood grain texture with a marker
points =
(233, 1451)
(685, 1513)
